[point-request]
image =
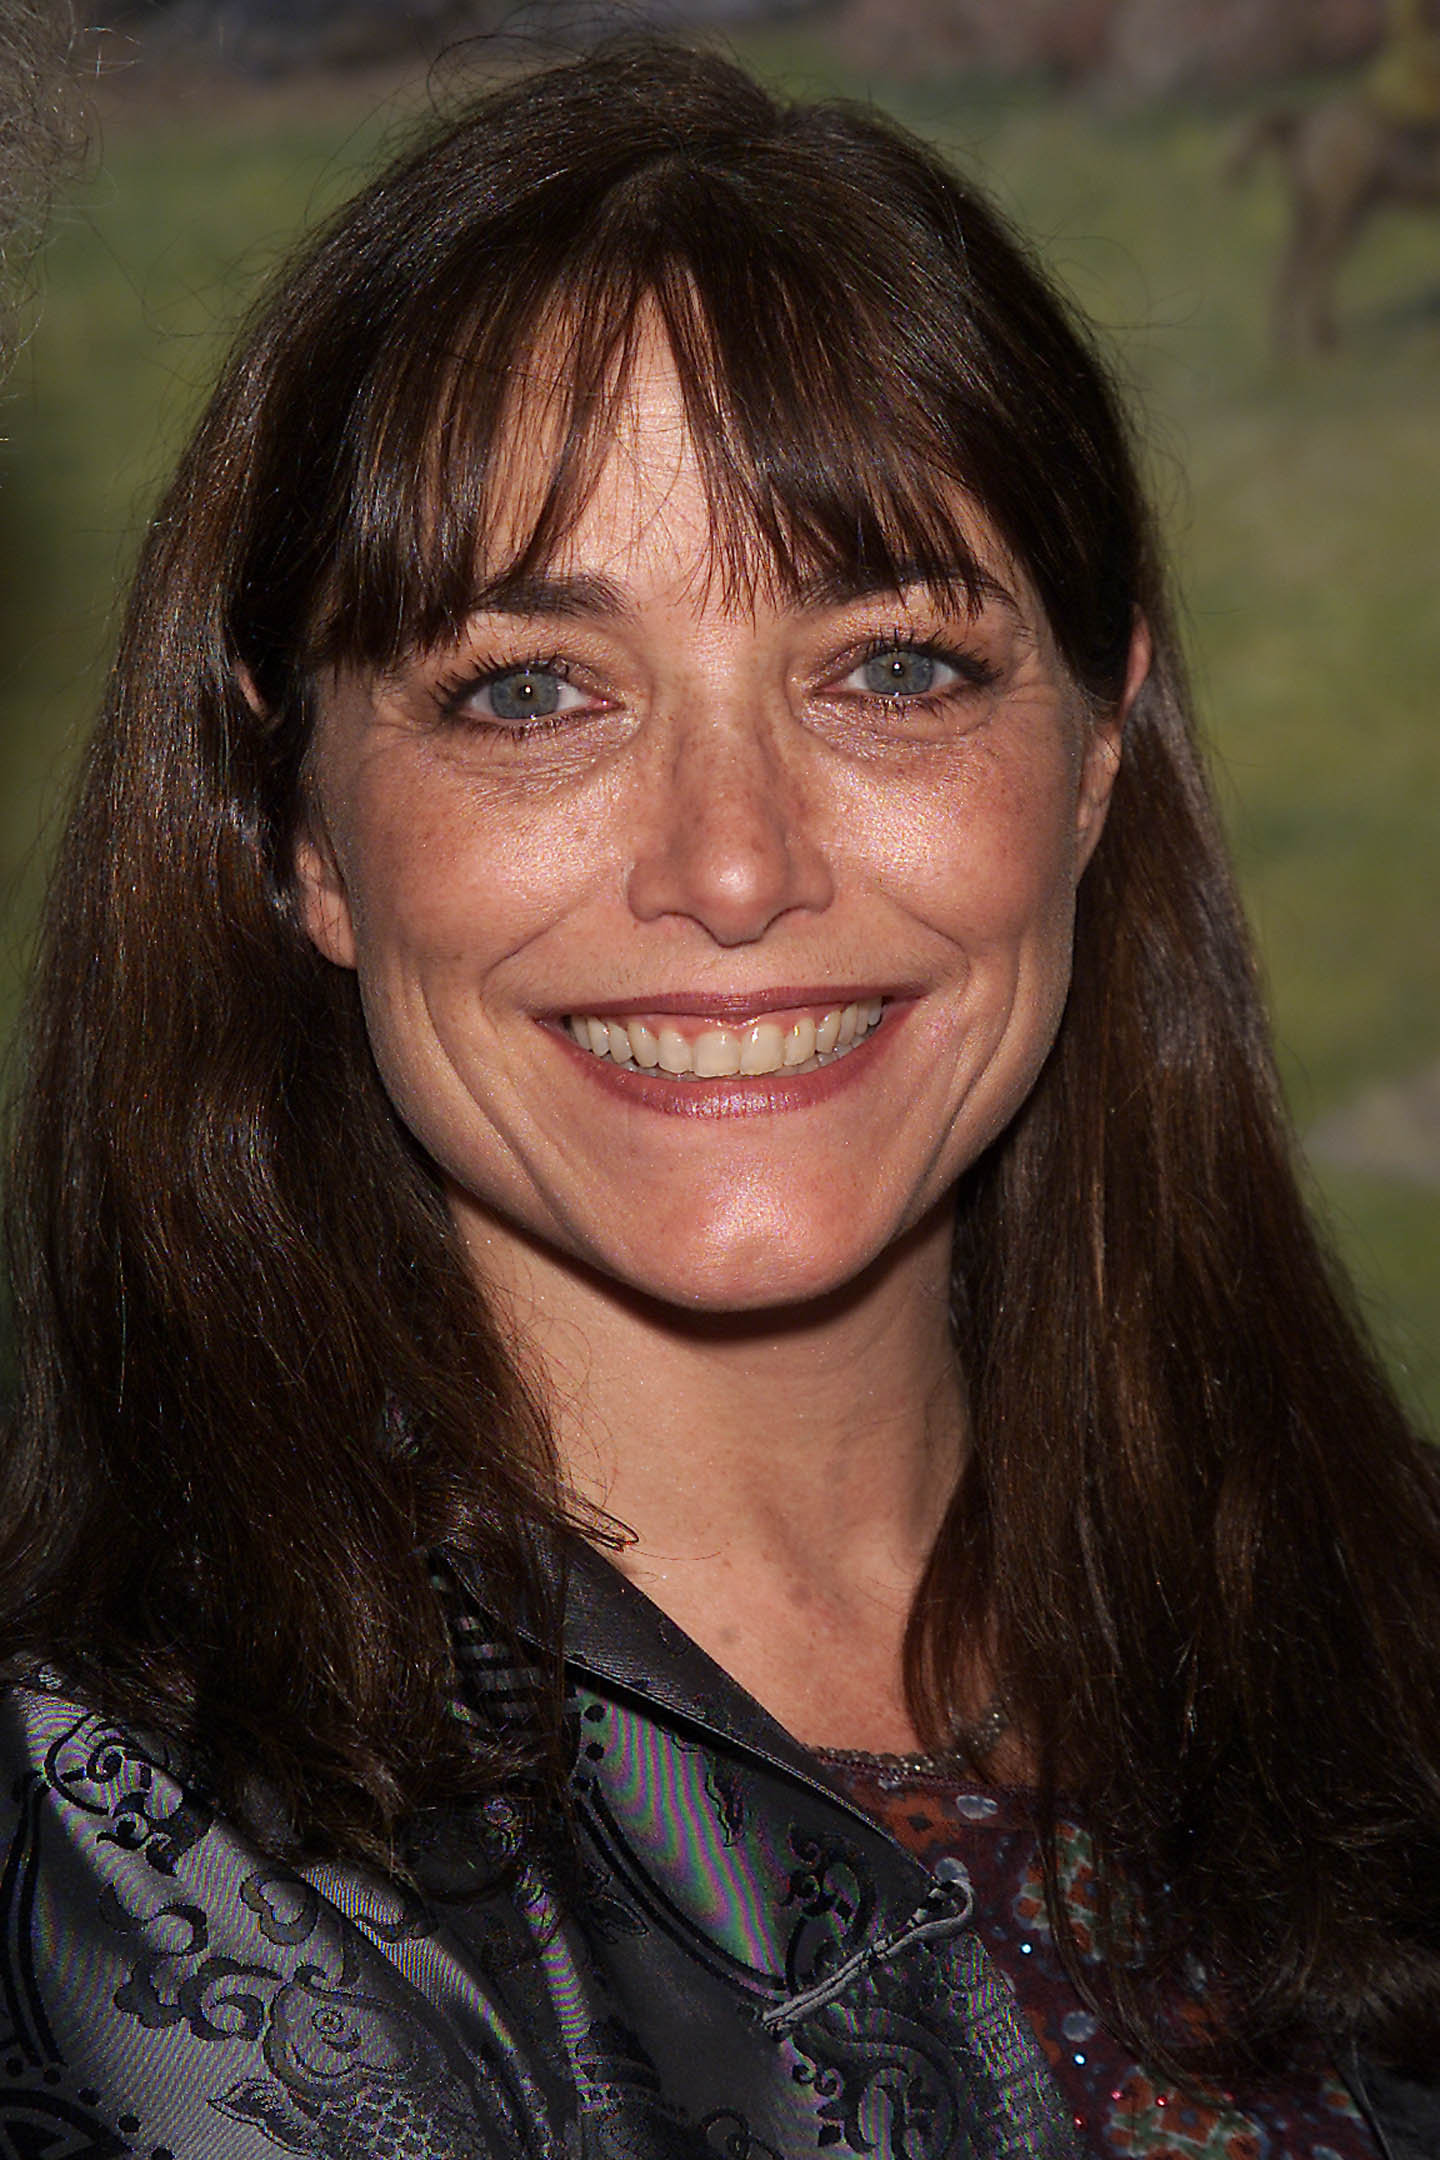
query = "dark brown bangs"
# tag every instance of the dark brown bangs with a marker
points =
(865, 354)
(817, 405)
(806, 480)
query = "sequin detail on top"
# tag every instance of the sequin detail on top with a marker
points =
(1121, 2111)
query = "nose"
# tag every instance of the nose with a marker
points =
(727, 840)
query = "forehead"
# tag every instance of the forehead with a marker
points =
(645, 491)
(652, 507)
(596, 440)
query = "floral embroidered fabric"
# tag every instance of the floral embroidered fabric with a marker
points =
(1120, 2110)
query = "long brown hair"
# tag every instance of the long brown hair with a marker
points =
(257, 1382)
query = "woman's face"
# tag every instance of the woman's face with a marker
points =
(823, 852)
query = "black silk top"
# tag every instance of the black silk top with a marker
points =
(738, 1963)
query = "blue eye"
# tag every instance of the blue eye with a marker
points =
(897, 674)
(902, 671)
(526, 693)
(515, 698)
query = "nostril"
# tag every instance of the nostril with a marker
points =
(732, 865)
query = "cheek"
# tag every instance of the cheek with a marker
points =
(453, 896)
(988, 858)
(441, 885)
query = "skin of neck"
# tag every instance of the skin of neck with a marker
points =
(779, 1476)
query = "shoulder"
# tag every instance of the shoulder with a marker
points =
(170, 1990)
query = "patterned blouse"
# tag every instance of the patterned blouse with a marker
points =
(1121, 2111)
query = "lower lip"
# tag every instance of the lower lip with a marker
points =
(755, 1095)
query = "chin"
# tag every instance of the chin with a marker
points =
(748, 1282)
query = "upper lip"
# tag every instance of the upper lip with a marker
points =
(728, 1007)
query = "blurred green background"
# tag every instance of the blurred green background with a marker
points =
(1303, 504)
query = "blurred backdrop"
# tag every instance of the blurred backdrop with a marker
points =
(1149, 146)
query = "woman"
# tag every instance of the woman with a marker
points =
(685, 1471)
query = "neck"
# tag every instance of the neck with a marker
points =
(780, 1476)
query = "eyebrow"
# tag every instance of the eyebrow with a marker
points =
(841, 588)
(575, 595)
(545, 592)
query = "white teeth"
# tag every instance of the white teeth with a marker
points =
(800, 1042)
(645, 1044)
(762, 1046)
(674, 1051)
(716, 1054)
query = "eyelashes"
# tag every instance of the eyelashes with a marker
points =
(897, 670)
(892, 673)
(526, 697)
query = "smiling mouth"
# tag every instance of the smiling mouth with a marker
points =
(793, 1046)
